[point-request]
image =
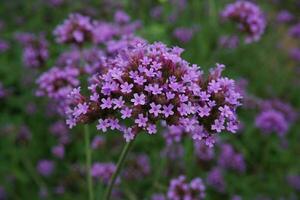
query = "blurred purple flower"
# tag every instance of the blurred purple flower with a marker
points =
(4, 46)
(58, 151)
(249, 18)
(216, 180)
(203, 152)
(284, 16)
(229, 42)
(229, 159)
(180, 189)
(294, 181)
(294, 31)
(45, 167)
(103, 171)
(183, 34)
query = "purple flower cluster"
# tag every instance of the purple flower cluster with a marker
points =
(138, 167)
(76, 29)
(229, 159)
(229, 42)
(3, 91)
(180, 189)
(284, 16)
(57, 83)
(97, 142)
(183, 34)
(275, 116)
(45, 167)
(295, 54)
(249, 17)
(35, 52)
(103, 171)
(152, 83)
(294, 181)
(61, 132)
(216, 180)
(4, 46)
(271, 121)
(203, 152)
(294, 31)
(79, 29)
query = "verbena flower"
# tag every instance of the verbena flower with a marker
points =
(35, 49)
(97, 142)
(180, 189)
(103, 171)
(58, 151)
(57, 83)
(184, 34)
(294, 181)
(216, 180)
(229, 42)
(152, 83)
(75, 29)
(4, 46)
(230, 159)
(284, 16)
(294, 31)
(45, 167)
(203, 152)
(275, 116)
(249, 18)
(138, 167)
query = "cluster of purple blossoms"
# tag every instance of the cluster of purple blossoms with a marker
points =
(76, 29)
(249, 17)
(35, 52)
(184, 34)
(61, 132)
(57, 83)
(229, 42)
(294, 31)
(4, 46)
(3, 91)
(203, 152)
(45, 167)
(216, 180)
(138, 167)
(295, 54)
(152, 83)
(284, 16)
(3, 195)
(229, 159)
(275, 116)
(180, 189)
(103, 171)
(58, 151)
(79, 29)
(272, 121)
(294, 181)
(97, 142)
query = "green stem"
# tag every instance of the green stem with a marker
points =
(212, 11)
(119, 167)
(88, 154)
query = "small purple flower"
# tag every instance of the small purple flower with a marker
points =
(167, 110)
(141, 121)
(216, 180)
(138, 99)
(97, 142)
(45, 167)
(58, 151)
(103, 171)
(155, 109)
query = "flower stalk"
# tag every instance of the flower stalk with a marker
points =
(88, 154)
(120, 163)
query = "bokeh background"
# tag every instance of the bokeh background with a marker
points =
(40, 158)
